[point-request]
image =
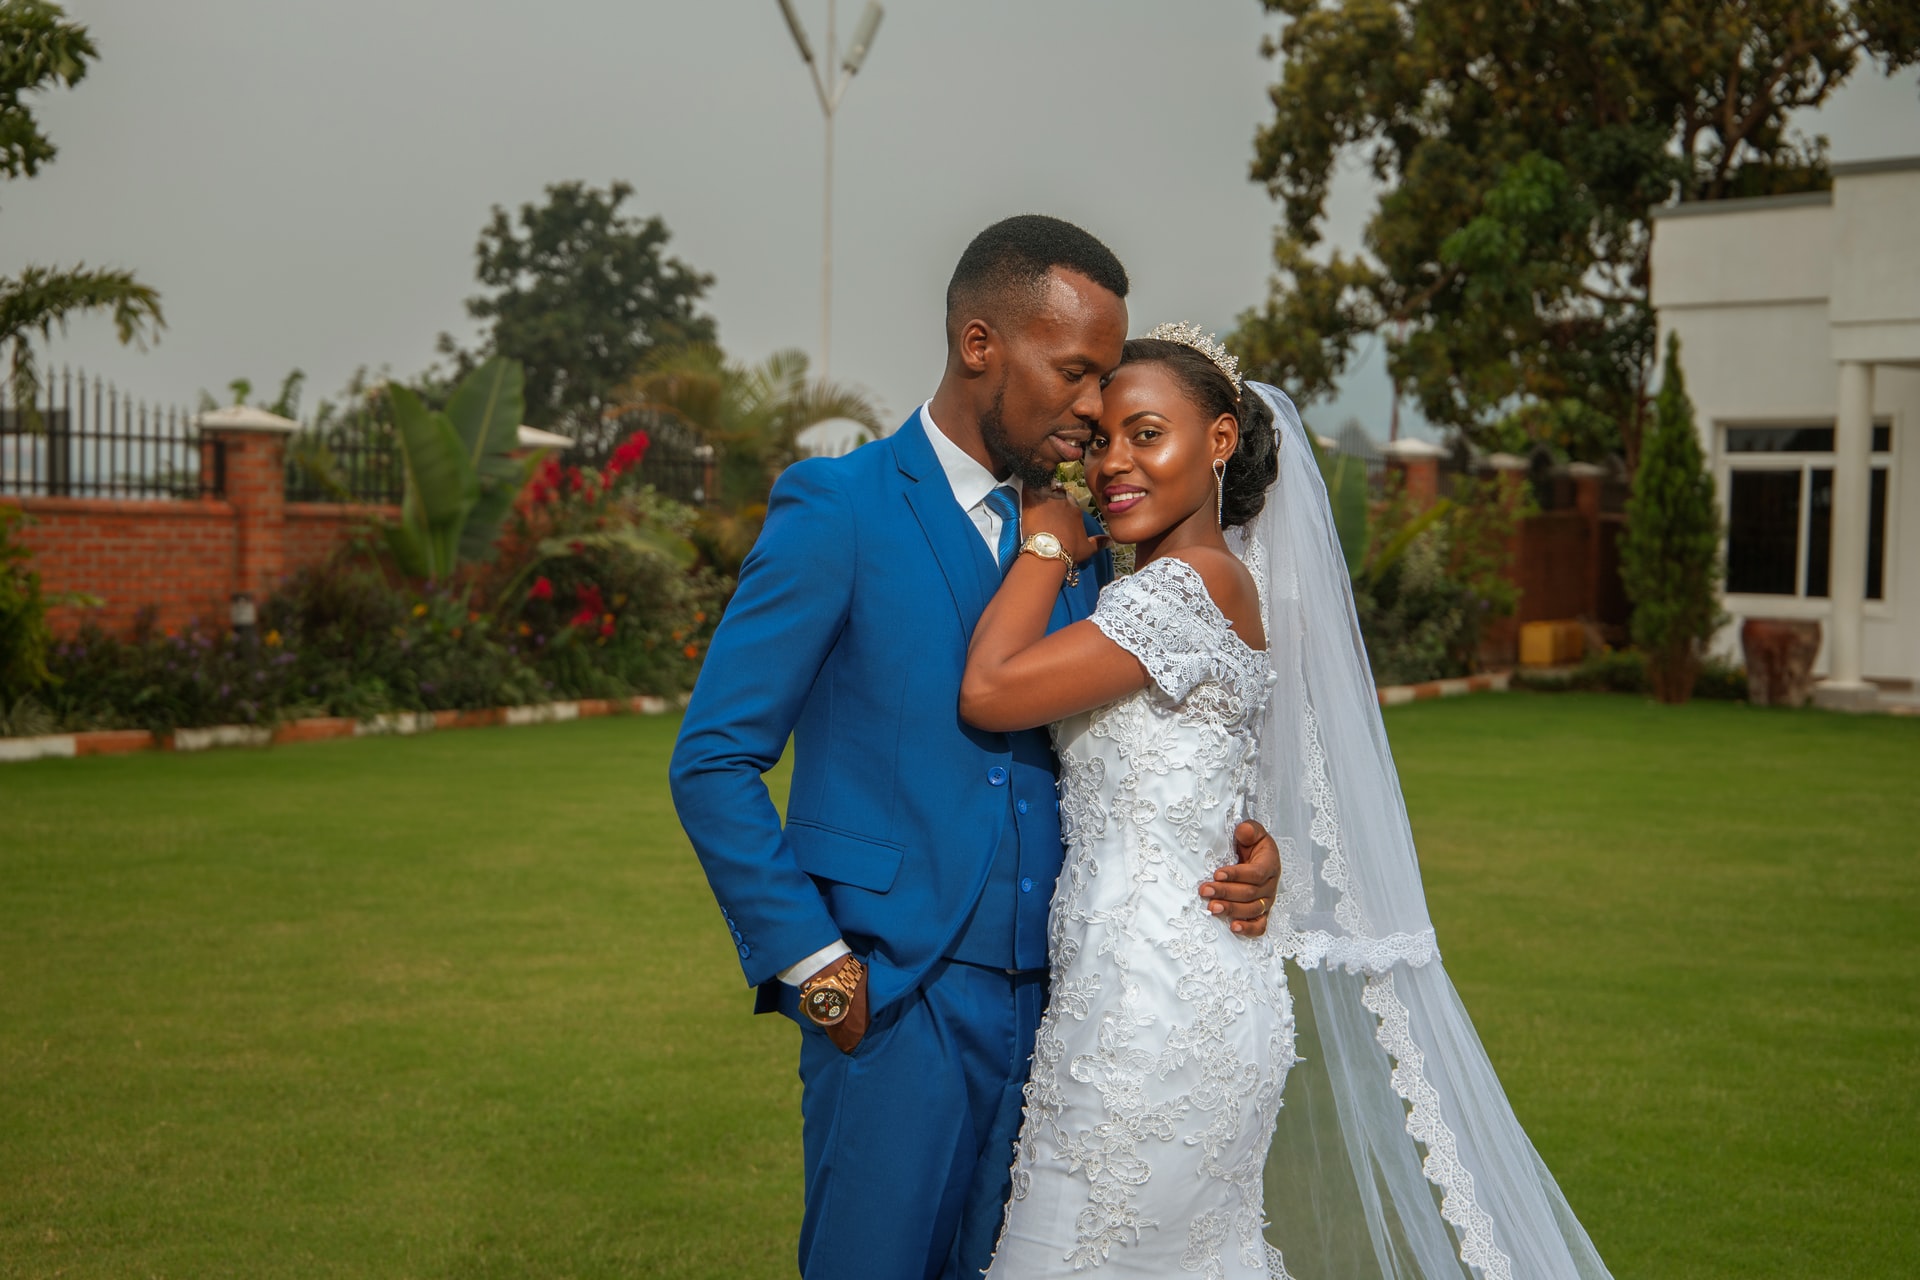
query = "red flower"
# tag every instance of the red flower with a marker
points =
(591, 606)
(545, 485)
(629, 455)
(573, 479)
(542, 588)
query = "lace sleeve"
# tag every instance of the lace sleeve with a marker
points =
(1162, 615)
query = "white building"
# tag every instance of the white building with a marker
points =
(1799, 324)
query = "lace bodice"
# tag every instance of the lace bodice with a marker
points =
(1164, 616)
(1159, 1064)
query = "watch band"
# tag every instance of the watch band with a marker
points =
(1058, 552)
(828, 999)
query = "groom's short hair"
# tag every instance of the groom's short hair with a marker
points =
(1003, 271)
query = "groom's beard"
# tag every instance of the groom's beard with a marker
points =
(993, 434)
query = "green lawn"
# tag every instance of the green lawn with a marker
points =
(461, 1006)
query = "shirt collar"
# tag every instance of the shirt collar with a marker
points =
(969, 481)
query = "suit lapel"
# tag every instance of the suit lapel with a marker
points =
(957, 547)
(971, 575)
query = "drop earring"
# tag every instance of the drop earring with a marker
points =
(1220, 491)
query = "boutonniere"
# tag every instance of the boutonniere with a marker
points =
(1071, 479)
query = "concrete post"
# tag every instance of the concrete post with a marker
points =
(255, 443)
(1847, 578)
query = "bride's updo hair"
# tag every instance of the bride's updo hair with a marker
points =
(1255, 461)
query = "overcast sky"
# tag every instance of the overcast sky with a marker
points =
(304, 183)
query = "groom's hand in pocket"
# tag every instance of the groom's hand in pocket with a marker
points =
(852, 1029)
(1243, 894)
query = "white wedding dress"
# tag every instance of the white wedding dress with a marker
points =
(1159, 1064)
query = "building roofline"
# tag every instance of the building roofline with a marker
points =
(1799, 199)
(1744, 204)
(1886, 164)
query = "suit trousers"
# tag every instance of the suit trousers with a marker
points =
(909, 1139)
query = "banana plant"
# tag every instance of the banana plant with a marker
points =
(461, 476)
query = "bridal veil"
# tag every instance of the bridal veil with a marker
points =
(1397, 1155)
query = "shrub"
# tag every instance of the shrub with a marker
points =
(1413, 614)
(24, 636)
(604, 586)
(167, 681)
(1670, 554)
(1627, 671)
(1430, 581)
(1720, 680)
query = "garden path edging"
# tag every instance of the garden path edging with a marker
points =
(113, 742)
(1395, 695)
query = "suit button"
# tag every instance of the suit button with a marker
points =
(1026, 884)
(997, 776)
(1021, 805)
(745, 951)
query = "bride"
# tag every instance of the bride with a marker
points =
(1222, 680)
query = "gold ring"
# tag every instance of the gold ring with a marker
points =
(1263, 906)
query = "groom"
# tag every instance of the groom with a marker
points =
(900, 916)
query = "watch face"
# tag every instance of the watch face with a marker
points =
(1046, 543)
(826, 1005)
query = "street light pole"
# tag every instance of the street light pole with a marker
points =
(829, 101)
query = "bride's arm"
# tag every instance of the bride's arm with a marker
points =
(1017, 675)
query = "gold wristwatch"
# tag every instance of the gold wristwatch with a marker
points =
(827, 999)
(1048, 547)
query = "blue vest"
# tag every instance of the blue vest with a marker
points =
(1008, 927)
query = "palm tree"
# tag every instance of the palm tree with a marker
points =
(753, 414)
(39, 48)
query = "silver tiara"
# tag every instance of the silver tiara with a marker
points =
(1189, 335)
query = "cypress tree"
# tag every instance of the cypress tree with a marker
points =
(1670, 554)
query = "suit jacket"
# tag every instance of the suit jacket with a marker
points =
(848, 632)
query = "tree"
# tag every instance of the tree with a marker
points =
(1520, 147)
(40, 49)
(1670, 553)
(580, 296)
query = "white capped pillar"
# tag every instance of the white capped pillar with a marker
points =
(1847, 579)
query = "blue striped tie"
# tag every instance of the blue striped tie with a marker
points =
(1005, 503)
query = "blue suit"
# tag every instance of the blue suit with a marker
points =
(931, 847)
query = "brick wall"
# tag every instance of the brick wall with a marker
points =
(179, 556)
(315, 530)
(185, 558)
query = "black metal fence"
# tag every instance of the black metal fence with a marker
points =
(678, 464)
(356, 459)
(84, 439)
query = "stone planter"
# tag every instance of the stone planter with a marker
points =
(1779, 653)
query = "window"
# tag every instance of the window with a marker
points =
(1780, 510)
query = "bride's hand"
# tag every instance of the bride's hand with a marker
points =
(1044, 509)
(1243, 894)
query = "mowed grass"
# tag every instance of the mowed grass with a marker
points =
(462, 1005)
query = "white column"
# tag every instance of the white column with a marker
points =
(1847, 580)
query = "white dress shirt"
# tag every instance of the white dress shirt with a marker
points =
(971, 483)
